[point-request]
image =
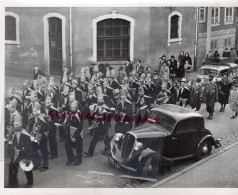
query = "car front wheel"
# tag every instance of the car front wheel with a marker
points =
(204, 150)
(150, 167)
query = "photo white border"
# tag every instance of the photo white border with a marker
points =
(95, 3)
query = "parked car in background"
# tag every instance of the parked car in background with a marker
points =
(217, 67)
(171, 133)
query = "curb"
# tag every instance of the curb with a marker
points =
(221, 150)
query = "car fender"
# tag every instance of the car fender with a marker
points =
(209, 137)
(145, 153)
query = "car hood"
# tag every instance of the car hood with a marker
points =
(150, 131)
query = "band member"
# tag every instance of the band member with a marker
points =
(12, 96)
(31, 104)
(124, 111)
(19, 147)
(196, 95)
(76, 92)
(99, 126)
(55, 87)
(150, 85)
(184, 93)
(63, 107)
(210, 94)
(42, 82)
(74, 135)
(10, 114)
(114, 82)
(142, 107)
(50, 113)
(173, 90)
(83, 84)
(65, 76)
(25, 100)
(139, 68)
(164, 95)
(120, 74)
(52, 93)
(40, 93)
(38, 128)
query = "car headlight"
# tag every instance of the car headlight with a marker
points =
(137, 145)
(117, 136)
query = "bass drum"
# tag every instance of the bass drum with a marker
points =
(26, 165)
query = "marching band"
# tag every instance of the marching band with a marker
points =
(34, 115)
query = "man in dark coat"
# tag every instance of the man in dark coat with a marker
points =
(224, 91)
(184, 94)
(124, 113)
(114, 83)
(173, 67)
(210, 94)
(19, 147)
(226, 53)
(37, 72)
(74, 135)
(139, 68)
(142, 107)
(196, 94)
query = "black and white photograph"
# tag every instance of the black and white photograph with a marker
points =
(120, 96)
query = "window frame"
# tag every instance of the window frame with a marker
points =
(179, 39)
(112, 39)
(212, 49)
(113, 15)
(17, 41)
(232, 16)
(227, 39)
(199, 14)
(218, 23)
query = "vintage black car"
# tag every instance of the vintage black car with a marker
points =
(171, 133)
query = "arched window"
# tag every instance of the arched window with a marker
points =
(11, 28)
(174, 27)
(113, 37)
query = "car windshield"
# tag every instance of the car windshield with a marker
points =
(163, 120)
(207, 71)
(218, 61)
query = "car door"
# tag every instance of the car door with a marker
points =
(186, 134)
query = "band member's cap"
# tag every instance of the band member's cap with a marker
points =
(125, 79)
(183, 80)
(133, 72)
(156, 72)
(105, 81)
(75, 81)
(120, 68)
(17, 120)
(37, 106)
(35, 82)
(48, 99)
(172, 56)
(74, 104)
(52, 79)
(26, 83)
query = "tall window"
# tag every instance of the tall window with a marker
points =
(215, 16)
(174, 27)
(214, 45)
(202, 14)
(229, 15)
(227, 43)
(113, 39)
(11, 28)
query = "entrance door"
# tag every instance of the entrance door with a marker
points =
(55, 46)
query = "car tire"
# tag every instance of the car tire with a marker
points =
(204, 150)
(150, 167)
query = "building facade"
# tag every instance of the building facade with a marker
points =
(76, 37)
(216, 30)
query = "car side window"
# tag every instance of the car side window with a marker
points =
(186, 125)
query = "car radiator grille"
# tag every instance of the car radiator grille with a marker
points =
(127, 146)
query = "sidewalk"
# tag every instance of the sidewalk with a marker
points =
(216, 171)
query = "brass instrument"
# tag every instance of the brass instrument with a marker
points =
(36, 128)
